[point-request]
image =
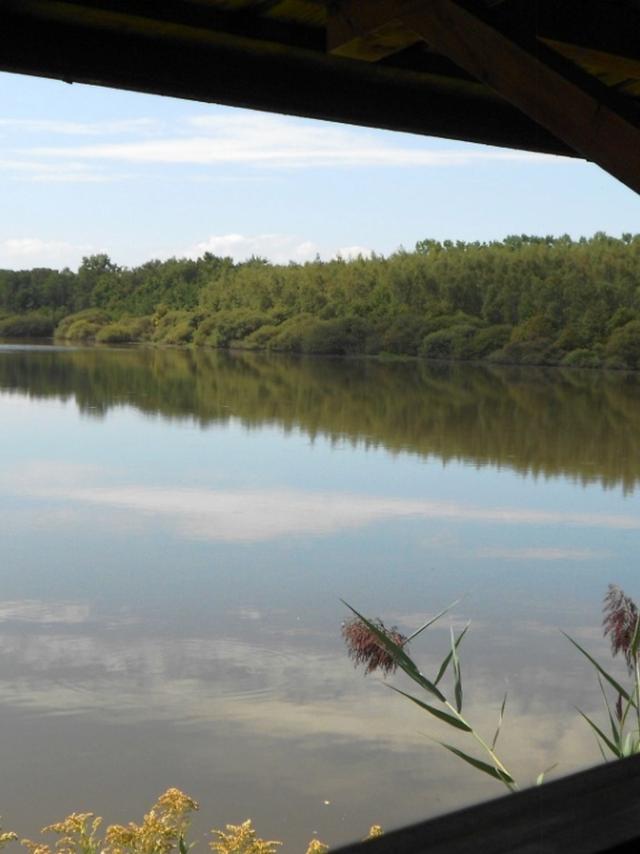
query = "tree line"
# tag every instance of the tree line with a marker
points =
(522, 300)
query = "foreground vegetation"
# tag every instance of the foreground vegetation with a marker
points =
(371, 644)
(163, 830)
(524, 300)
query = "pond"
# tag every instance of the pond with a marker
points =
(179, 527)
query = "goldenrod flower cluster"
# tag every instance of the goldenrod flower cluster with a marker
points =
(242, 839)
(162, 831)
(7, 836)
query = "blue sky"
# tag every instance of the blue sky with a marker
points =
(85, 170)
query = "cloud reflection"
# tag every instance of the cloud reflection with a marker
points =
(543, 554)
(260, 698)
(263, 688)
(257, 515)
(37, 611)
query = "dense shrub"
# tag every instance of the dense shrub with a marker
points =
(125, 330)
(26, 326)
(291, 334)
(488, 340)
(582, 358)
(621, 317)
(623, 347)
(224, 327)
(83, 325)
(404, 335)
(451, 343)
(336, 337)
(573, 337)
(259, 339)
(532, 329)
(175, 327)
(540, 351)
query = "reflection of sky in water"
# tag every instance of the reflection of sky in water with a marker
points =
(171, 617)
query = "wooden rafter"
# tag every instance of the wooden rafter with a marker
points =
(229, 66)
(596, 122)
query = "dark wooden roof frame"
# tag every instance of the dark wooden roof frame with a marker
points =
(595, 121)
(245, 64)
(556, 76)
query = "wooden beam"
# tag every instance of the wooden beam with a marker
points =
(599, 36)
(238, 71)
(609, 29)
(552, 91)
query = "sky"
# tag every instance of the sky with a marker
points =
(85, 170)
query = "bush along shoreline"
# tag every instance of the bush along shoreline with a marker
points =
(524, 300)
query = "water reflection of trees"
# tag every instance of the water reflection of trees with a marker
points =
(542, 422)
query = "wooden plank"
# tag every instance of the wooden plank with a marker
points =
(617, 68)
(592, 812)
(245, 73)
(552, 91)
(610, 29)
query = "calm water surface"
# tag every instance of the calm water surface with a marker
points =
(178, 528)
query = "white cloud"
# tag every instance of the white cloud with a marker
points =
(34, 250)
(41, 171)
(99, 128)
(264, 140)
(278, 248)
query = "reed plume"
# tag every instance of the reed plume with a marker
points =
(620, 619)
(365, 649)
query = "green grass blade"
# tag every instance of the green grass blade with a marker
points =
(437, 713)
(612, 747)
(629, 746)
(635, 640)
(182, 845)
(432, 621)
(543, 774)
(457, 676)
(615, 731)
(601, 670)
(496, 773)
(399, 655)
(500, 719)
(447, 660)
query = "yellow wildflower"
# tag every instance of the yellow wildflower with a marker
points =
(161, 829)
(77, 834)
(7, 836)
(177, 803)
(317, 847)
(242, 839)
(374, 831)
(36, 847)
